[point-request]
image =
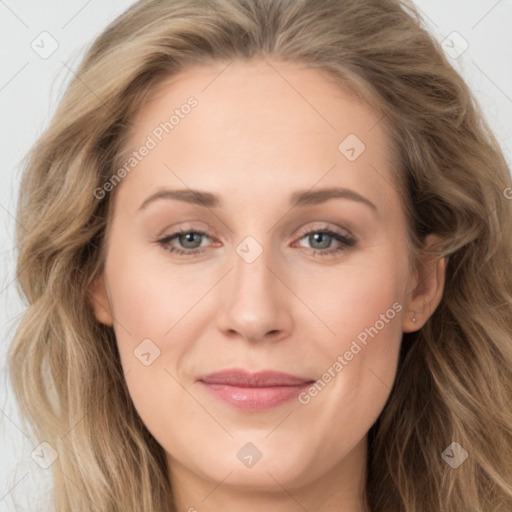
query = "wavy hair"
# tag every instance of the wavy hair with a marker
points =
(454, 379)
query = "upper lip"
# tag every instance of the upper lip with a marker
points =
(245, 379)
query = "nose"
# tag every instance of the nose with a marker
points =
(255, 304)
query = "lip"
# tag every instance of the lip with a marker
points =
(257, 391)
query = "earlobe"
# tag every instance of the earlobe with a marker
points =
(99, 301)
(428, 289)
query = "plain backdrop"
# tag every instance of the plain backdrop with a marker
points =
(31, 83)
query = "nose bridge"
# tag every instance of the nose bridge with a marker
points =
(254, 305)
(252, 261)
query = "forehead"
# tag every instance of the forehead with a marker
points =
(255, 124)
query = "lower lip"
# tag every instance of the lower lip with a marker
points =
(255, 399)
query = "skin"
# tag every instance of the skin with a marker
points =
(253, 139)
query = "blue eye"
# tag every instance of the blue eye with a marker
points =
(321, 240)
(188, 238)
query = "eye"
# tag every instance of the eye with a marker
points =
(321, 240)
(190, 240)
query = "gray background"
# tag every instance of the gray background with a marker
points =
(31, 84)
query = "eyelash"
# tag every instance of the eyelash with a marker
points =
(346, 242)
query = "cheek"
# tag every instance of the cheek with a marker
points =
(357, 359)
(151, 306)
(354, 299)
(149, 298)
(148, 306)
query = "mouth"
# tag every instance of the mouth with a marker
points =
(258, 391)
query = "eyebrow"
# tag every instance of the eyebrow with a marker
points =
(298, 198)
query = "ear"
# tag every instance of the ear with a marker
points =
(99, 301)
(426, 289)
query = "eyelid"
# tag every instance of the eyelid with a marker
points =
(325, 227)
(187, 226)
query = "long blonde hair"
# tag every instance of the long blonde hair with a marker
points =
(454, 380)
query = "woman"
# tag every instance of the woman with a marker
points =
(186, 348)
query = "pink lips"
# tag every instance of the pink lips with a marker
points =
(254, 391)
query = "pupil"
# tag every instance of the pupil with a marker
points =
(189, 240)
(321, 236)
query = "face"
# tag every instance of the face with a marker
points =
(267, 272)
